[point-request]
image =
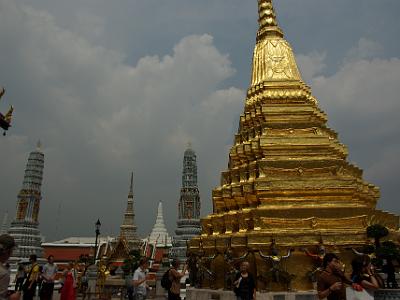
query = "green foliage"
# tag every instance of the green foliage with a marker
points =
(132, 262)
(388, 250)
(377, 232)
(135, 253)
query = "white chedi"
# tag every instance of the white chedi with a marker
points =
(159, 235)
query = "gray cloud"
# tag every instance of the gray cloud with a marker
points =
(362, 99)
(99, 118)
(365, 49)
(114, 88)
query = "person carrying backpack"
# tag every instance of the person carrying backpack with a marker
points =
(175, 279)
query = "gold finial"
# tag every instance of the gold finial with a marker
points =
(189, 145)
(5, 120)
(267, 20)
(8, 115)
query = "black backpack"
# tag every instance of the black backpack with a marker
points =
(166, 283)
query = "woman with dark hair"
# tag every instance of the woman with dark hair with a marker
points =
(175, 278)
(363, 274)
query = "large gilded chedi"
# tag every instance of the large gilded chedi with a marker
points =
(288, 185)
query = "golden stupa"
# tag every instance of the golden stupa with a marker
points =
(288, 185)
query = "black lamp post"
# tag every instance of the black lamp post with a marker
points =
(98, 225)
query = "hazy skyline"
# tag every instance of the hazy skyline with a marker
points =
(114, 87)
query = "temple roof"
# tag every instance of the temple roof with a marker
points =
(79, 240)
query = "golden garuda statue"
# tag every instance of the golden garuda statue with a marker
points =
(5, 120)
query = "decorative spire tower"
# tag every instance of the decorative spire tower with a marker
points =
(128, 227)
(24, 228)
(188, 206)
(288, 183)
(4, 225)
(159, 234)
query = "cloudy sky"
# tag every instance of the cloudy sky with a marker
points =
(111, 87)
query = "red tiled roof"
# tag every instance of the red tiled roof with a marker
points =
(66, 253)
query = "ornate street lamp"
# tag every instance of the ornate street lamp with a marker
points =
(98, 225)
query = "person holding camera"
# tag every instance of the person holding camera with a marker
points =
(332, 282)
(174, 293)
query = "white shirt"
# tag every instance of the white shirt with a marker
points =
(49, 270)
(140, 275)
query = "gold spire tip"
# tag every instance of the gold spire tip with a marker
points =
(267, 19)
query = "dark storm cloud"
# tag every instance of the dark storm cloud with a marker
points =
(112, 87)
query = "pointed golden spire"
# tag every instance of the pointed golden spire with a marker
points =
(273, 59)
(267, 20)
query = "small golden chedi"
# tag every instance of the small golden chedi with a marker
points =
(288, 189)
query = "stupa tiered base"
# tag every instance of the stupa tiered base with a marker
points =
(337, 235)
(205, 294)
(288, 185)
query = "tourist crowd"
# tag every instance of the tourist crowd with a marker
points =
(33, 279)
(331, 281)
